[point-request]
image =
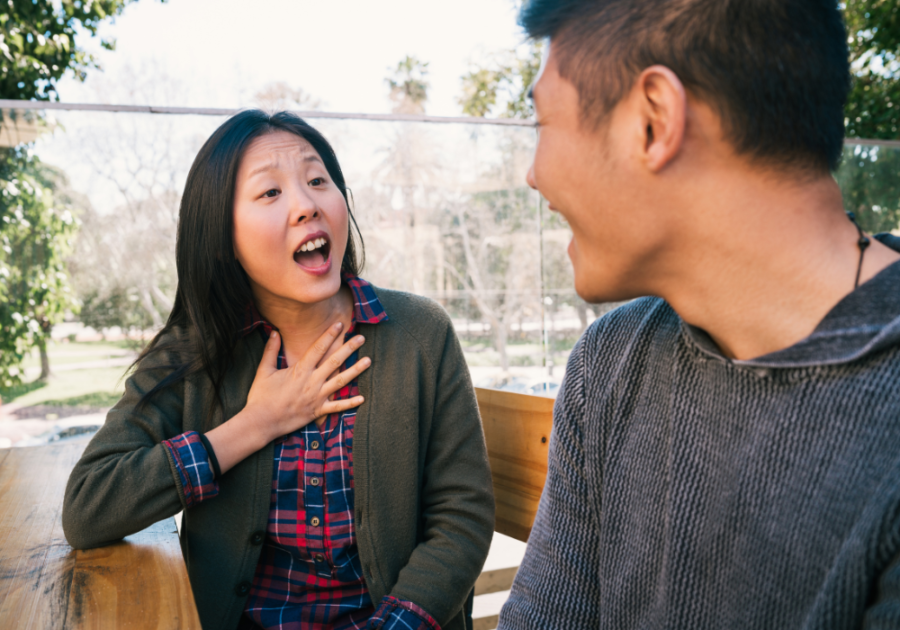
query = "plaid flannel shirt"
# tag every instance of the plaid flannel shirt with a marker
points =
(309, 574)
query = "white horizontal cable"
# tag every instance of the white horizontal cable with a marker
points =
(219, 111)
(873, 143)
(215, 111)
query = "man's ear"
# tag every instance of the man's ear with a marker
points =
(663, 107)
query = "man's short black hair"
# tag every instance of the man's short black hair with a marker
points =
(776, 71)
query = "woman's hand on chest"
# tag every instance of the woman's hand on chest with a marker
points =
(284, 400)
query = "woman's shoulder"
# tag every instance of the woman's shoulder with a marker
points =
(412, 309)
(165, 350)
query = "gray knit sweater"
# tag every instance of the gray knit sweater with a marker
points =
(689, 491)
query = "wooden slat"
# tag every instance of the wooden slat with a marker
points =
(138, 583)
(495, 581)
(486, 623)
(517, 430)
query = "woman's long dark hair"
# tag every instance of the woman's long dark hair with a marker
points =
(213, 289)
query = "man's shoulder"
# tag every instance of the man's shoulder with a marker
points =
(620, 332)
(624, 346)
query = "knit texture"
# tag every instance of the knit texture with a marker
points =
(686, 490)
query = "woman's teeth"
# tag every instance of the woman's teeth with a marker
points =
(311, 245)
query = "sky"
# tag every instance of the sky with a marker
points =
(219, 53)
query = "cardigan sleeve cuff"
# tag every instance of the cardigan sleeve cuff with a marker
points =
(399, 614)
(194, 468)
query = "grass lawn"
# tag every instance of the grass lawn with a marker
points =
(83, 388)
(99, 387)
(77, 352)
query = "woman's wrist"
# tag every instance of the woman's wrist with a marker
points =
(239, 437)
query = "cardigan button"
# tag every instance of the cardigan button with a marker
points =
(257, 538)
(242, 589)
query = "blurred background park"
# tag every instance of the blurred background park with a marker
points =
(435, 159)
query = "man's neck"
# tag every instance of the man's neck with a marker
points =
(765, 261)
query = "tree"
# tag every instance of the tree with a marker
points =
(36, 230)
(279, 96)
(37, 48)
(868, 175)
(504, 82)
(873, 109)
(409, 86)
(123, 264)
(38, 43)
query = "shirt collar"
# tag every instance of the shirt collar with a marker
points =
(866, 321)
(367, 309)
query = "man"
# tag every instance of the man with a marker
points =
(726, 454)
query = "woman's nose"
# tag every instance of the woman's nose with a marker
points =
(303, 207)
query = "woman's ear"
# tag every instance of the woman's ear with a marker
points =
(662, 103)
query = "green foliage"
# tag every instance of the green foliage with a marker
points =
(37, 48)
(868, 174)
(121, 308)
(36, 231)
(506, 82)
(871, 188)
(37, 43)
(409, 86)
(873, 109)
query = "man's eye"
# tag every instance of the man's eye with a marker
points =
(270, 193)
(316, 181)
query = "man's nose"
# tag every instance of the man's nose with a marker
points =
(529, 178)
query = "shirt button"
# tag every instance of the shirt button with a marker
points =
(242, 589)
(314, 445)
(320, 558)
(314, 481)
(314, 521)
(257, 538)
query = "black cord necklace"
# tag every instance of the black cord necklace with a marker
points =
(863, 243)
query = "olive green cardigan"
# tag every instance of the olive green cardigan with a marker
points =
(424, 507)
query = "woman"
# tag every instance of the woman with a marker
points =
(304, 506)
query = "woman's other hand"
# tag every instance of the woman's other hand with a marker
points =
(282, 401)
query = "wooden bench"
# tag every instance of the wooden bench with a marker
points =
(517, 431)
(140, 582)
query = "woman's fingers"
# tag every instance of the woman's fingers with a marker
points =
(335, 361)
(318, 350)
(337, 406)
(269, 361)
(343, 378)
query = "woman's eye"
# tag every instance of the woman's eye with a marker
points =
(316, 181)
(270, 193)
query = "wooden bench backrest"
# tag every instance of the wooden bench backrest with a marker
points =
(517, 431)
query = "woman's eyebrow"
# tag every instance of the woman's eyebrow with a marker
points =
(272, 166)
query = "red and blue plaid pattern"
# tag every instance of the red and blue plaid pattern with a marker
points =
(194, 468)
(309, 573)
(399, 614)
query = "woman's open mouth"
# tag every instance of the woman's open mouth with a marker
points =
(314, 255)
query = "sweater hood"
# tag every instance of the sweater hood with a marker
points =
(865, 322)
